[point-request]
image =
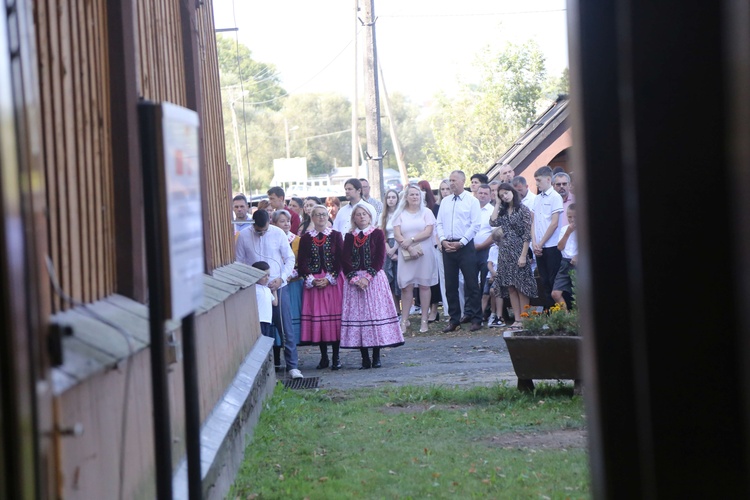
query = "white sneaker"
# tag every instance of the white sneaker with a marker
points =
(415, 310)
(491, 319)
(295, 373)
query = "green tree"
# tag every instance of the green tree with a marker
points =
(322, 130)
(411, 136)
(251, 94)
(474, 128)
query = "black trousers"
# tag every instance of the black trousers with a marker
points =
(464, 260)
(482, 256)
(548, 265)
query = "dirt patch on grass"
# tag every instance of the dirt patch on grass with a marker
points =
(397, 409)
(557, 439)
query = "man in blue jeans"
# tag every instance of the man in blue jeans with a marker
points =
(269, 243)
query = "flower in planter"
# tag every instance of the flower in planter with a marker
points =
(556, 320)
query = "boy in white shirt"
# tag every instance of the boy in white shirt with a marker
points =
(266, 299)
(562, 291)
(496, 303)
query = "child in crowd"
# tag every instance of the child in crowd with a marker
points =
(496, 305)
(562, 291)
(266, 299)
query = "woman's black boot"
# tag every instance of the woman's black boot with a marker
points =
(336, 362)
(323, 357)
(365, 359)
(376, 357)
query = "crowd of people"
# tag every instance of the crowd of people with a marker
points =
(350, 275)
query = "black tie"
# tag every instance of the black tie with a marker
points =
(456, 197)
(361, 234)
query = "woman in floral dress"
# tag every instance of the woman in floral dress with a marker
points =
(514, 278)
(369, 318)
(320, 267)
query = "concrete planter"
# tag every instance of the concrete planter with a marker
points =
(544, 357)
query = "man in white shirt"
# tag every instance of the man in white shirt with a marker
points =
(527, 197)
(343, 222)
(548, 206)
(376, 204)
(506, 173)
(269, 243)
(458, 221)
(561, 183)
(242, 220)
(483, 239)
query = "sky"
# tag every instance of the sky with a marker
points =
(423, 46)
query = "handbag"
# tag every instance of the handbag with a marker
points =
(413, 253)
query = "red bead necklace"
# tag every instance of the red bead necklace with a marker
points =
(320, 242)
(360, 241)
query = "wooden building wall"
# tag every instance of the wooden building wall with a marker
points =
(218, 175)
(72, 57)
(73, 49)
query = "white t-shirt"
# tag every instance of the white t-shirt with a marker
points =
(485, 230)
(264, 296)
(571, 246)
(492, 257)
(546, 204)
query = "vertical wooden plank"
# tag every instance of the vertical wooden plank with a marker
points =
(121, 135)
(62, 264)
(92, 21)
(77, 166)
(45, 38)
(71, 194)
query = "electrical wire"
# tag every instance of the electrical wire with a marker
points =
(286, 94)
(478, 14)
(242, 93)
(83, 307)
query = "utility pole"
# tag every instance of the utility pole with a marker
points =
(372, 104)
(355, 118)
(394, 137)
(238, 153)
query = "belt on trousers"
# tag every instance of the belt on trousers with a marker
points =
(453, 240)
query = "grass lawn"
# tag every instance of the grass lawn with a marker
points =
(418, 442)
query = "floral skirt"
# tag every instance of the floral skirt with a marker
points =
(369, 316)
(321, 313)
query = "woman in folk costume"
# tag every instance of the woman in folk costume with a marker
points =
(320, 266)
(369, 318)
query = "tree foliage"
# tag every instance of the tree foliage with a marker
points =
(474, 128)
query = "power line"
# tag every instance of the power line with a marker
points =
(477, 14)
(286, 94)
(242, 92)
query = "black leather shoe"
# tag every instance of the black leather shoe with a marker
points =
(452, 327)
(323, 364)
(465, 320)
(475, 327)
(336, 363)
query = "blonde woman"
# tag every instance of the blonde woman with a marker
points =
(369, 318)
(320, 253)
(413, 229)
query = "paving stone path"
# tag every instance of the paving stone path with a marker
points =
(433, 358)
